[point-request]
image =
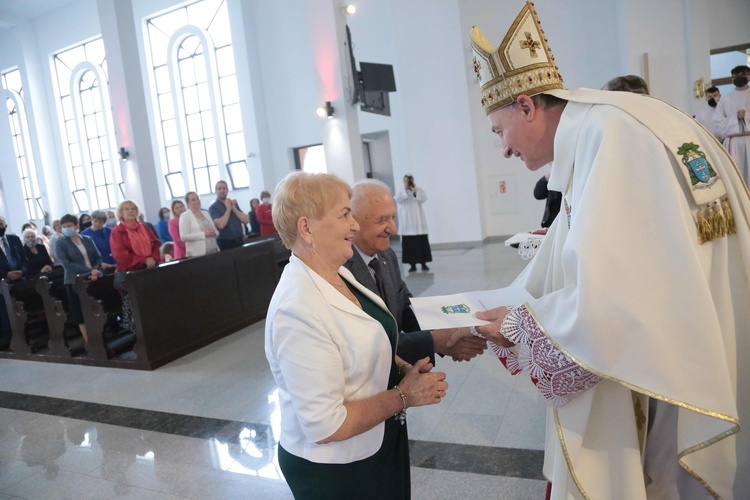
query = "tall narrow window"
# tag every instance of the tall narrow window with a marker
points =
(196, 100)
(13, 93)
(88, 134)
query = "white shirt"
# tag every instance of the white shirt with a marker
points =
(725, 116)
(411, 218)
(706, 118)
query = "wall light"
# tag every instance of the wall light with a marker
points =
(326, 111)
(350, 8)
(124, 153)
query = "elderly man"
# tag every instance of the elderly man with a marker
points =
(375, 265)
(228, 218)
(637, 332)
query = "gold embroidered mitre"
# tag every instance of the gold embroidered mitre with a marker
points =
(523, 64)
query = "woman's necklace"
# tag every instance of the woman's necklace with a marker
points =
(344, 290)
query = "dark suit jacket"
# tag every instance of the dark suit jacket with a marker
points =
(72, 260)
(16, 248)
(413, 343)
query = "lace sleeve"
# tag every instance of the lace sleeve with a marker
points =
(557, 377)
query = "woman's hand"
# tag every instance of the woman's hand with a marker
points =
(150, 262)
(95, 273)
(210, 233)
(422, 386)
(46, 269)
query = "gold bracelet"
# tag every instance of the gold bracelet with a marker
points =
(403, 396)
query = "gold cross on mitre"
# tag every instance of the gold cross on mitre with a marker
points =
(530, 44)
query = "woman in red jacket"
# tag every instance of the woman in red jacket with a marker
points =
(134, 247)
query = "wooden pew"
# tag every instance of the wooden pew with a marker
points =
(65, 338)
(178, 307)
(101, 305)
(184, 305)
(27, 319)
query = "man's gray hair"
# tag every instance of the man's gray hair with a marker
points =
(365, 187)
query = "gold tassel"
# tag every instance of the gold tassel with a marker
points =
(704, 226)
(718, 221)
(731, 228)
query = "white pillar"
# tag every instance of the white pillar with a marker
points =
(341, 138)
(129, 110)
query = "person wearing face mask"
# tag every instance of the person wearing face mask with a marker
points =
(706, 115)
(85, 221)
(162, 227)
(264, 215)
(731, 122)
(39, 261)
(111, 219)
(78, 255)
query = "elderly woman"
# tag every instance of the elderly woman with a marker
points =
(330, 343)
(134, 247)
(100, 233)
(77, 255)
(197, 229)
(39, 261)
(178, 207)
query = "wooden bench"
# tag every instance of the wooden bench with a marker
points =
(27, 318)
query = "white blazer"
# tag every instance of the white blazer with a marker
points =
(192, 233)
(323, 350)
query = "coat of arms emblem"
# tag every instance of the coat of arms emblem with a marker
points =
(699, 168)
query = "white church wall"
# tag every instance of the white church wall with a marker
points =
(728, 22)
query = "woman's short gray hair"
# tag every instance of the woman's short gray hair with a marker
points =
(28, 231)
(99, 215)
(302, 194)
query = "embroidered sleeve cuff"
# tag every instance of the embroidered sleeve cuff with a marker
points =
(557, 377)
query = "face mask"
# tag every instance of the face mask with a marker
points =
(85, 225)
(266, 200)
(165, 216)
(30, 243)
(740, 81)
(712, 102)
(111, 222)
(68, 231)
(2, 232)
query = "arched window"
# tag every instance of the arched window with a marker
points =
(94, 174)
(13, 94)
(196, 100)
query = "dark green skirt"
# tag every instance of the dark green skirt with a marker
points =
(385, 475)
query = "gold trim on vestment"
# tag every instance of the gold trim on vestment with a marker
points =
(561, 437)
(641, 390)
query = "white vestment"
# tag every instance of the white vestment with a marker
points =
(623, 287)
(411, 218)
(728, 125)
(706, 118)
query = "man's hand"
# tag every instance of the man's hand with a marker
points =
(492, 331)
(467, 348)
(458, 343)
(229, 204)
(741, 114)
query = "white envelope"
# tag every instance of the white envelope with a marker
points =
(455, 311)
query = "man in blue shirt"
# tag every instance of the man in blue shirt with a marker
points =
(228, 218)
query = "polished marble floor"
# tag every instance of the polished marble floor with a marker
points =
(206, 425)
